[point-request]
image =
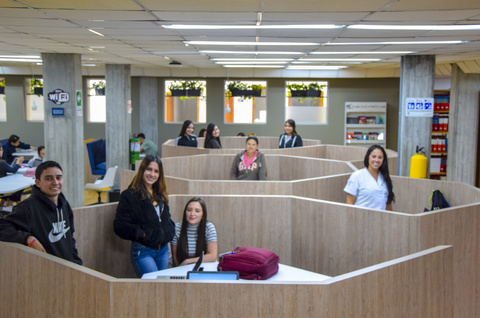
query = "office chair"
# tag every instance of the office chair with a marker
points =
(106, 184)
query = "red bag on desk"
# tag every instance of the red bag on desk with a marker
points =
(250, 262)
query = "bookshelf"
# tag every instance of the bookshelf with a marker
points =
(439, 141)
(365, 123)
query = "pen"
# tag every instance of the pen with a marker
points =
(231, 252)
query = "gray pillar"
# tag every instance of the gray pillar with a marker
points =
(118, 127)
(463, 127)
(417, 76)
(149, 108)
(64, 133)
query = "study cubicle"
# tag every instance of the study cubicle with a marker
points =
(309, 234)
(269, 145)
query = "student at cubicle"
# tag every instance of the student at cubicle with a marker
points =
(6, 201)
(186, 137)
(249, 164)
(290, 138)
(371, 187)
(143, 217)
(194, 235)
(202, 132)
(43, 221)
(147, 146)
(35, 161)
(212, 137)
(11, 145)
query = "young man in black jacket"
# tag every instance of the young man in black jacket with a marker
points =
(44, 221)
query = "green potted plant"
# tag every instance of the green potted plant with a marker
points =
(36, 86)
(304, 90)
(99, 88)
(186, 88)
(2, 86)
(238, 88)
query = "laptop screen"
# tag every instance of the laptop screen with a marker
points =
(37, 162)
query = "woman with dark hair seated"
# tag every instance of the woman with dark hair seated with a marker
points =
(212, 137)
(250, 163)
(290, 138)
(7, 201)
(194, 235)
(186, 136)
(371, 187)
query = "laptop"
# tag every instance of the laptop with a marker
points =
(36, 162)
(195, 269)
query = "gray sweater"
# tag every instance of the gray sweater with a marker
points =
(257, 170)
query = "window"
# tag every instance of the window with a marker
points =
(3, 101)
(185, 100)
(34, 108)
(245, 102)
(96, 102)
(306, 102)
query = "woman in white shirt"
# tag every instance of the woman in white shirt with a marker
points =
(371, 187)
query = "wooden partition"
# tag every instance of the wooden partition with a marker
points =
(279, 167)
(57, 288)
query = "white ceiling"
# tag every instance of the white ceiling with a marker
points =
(133, 33)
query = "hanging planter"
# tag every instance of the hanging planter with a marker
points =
(2, 90)
(186, 92)
(38, 90)
(245, 92)
(99, 88)
(100, 91)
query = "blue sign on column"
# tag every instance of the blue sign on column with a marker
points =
(58, 111)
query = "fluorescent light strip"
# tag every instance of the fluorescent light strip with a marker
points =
(21, 60)
(251, 52)
(313, 67)
(416, 27)
(252, 43)
(97, 33)
(399, 43)
(338, 60)
(372, 52)
(20, 56)
(253, 66)
(249, 27)
(251, 62)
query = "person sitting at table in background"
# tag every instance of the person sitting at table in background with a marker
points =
(143, 217)
(249, 164)
(212, 137)
(43, 221)
(290, 138)
(147, 146)
(202, 132)
(11, 145)
(186, 136)
(41, 156)
(371, 187)
(6, 202)
(194, 235)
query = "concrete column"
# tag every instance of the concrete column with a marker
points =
(463, 126)
(118, 127)
(64, 131)
(149, 108)
(417, 76)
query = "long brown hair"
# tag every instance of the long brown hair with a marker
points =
(159, 187)
(201, 245)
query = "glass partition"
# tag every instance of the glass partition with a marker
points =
(245, 102)
(185, 100)
(306, 102)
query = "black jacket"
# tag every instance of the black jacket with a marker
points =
(136, 220)
(51, 224)
(190, 141)
(295, 141)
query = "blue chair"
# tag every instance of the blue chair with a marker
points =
(97, 156)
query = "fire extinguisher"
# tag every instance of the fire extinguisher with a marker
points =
(418, 164)
(134, 149)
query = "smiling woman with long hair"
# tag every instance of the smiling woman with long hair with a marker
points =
(212, 137)
(194, 235)
(186, 136)
(290, 138)
(143, 217)
(371, 187)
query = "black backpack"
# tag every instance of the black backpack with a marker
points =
(437, 201)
